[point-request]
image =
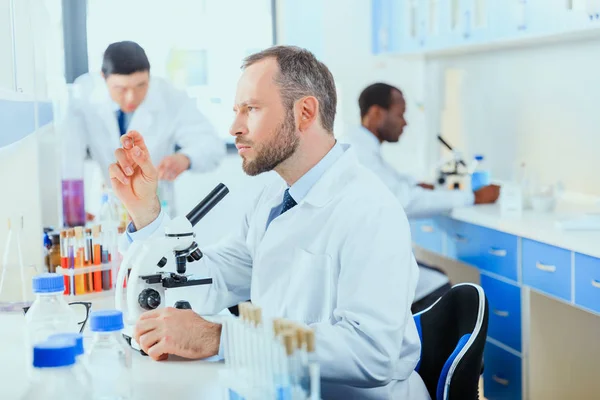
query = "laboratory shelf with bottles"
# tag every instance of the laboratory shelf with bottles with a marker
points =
(438, 27)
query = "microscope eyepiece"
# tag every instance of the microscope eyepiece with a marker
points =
(207, 204)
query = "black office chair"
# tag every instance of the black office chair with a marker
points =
(453, 333)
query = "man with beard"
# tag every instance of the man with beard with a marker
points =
(327, 245)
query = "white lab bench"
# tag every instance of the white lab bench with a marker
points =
(175, 378)
(543, 289)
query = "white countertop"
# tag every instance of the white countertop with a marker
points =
(175, 378)
(537, 226)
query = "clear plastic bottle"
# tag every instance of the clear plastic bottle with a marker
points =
(54, 376)
(481, 176)
(109, 357)
(81, 366)
(50, 313)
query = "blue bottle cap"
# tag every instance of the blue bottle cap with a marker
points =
(479, 157)
(75, 337)
(106, 321)
(104, 198)
(48, 283)
(54, 353)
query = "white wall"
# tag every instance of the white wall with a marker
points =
(536, 104)
(344, 45)
(341, 37)
(26, 167)
(6, 66)
(19, 180)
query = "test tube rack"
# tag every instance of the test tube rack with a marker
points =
(269, 359)
(89, 260)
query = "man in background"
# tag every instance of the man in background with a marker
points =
(126, 97)
(382, 112)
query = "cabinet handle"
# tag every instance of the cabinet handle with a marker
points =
(500, 313)
(544, 267)
(595, 283)
(427, 228)
(460, 238)
(497, 252)
(503, 382)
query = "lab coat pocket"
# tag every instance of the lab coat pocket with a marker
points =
(309, 293)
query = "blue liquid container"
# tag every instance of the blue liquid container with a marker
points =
(480, 177)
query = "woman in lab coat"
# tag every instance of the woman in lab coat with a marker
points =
(125, 97)
(327, 245)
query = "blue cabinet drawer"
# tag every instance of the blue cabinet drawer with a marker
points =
(504, 302)
(483, 248)
(427, 234)
(547, 268)
(502, 378)
(587, 282)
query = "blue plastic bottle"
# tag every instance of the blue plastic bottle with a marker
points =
(481, 176)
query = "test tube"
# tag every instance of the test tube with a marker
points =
(71, 255)
(313, 366)
(266, 381)
(106, 257)
(303, 361)
(282, 370)
(88, 254)
(295, 361)
(289, 341)
(117, 258)
(64, 260)
(241, 334)
(96, 251)
(80, 284)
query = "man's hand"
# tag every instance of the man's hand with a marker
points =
(172, 166)
(487, 194)
(426, 186)
(180, 332)
(135, 180)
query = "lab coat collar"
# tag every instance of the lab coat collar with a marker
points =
(300, 189)
(333, 180)
(367, 139)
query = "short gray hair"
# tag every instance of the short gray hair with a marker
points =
(300, 75)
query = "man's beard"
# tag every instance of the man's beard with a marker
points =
(269, 155)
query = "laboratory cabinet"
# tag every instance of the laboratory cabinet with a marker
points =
(502, 374)
(427, 234)
(510, 266)
(504, 302)
(547, 269)
(587, 282)
(441, 26)
(484, 248)
(386, 34)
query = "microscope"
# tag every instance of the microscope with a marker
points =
(158, 268)
(451, 170)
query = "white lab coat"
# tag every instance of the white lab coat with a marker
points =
(166, 117)
(417, 202)
(340, 261)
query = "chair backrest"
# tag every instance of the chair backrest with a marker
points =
(453, 333)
